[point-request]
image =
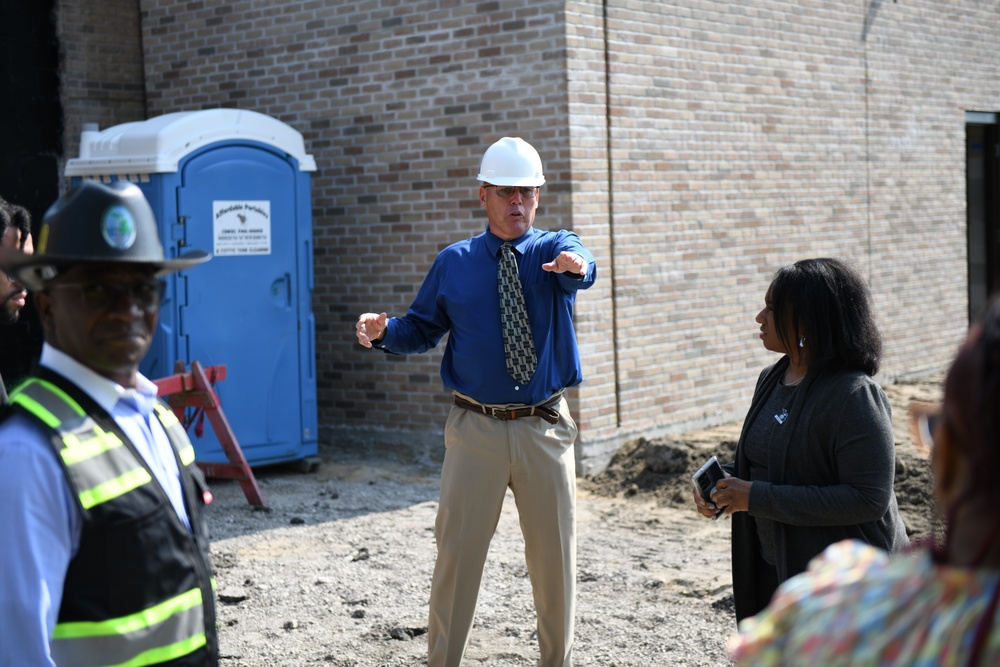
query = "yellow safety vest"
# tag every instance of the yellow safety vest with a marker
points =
(117, 609)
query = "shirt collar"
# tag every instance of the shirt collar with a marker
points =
(493, 242)
(105, 392)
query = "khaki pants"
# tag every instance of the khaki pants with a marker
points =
(484, 456)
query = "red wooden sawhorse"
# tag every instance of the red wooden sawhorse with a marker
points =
(193, 388)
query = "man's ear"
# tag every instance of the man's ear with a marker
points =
(482, 196)
(43, 306)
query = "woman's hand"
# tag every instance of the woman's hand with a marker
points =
(707, 510)
(732, 494)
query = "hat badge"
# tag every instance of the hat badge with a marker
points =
(118, 227)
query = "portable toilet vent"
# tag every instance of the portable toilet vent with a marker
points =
(235, 183)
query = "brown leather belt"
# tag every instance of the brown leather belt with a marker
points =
(543, 410)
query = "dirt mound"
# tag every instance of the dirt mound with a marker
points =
(660, 469)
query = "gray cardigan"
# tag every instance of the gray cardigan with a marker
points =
(830, 476)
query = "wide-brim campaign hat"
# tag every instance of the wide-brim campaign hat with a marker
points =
(95, 223)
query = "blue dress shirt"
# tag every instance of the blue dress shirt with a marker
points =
(460, 297)
(40, 517)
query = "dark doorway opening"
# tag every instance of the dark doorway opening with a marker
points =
(982, 162)
(30, 145)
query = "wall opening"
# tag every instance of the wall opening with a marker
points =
(30, 146)
(982, 159)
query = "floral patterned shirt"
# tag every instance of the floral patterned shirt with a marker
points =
(856, 605)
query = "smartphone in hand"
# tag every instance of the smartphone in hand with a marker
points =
(704, 480)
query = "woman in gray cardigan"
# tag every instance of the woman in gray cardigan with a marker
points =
(816, 458)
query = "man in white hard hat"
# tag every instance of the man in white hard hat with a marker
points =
(510, 355)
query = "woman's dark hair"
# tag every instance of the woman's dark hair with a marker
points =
(971, 407)
(12, 215)
(971, 418)
(825, 304)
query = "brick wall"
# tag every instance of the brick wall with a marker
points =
(745, 136)
(599, 334)
(695, 146)
(928, 64)
(101, 61)
(396, 101)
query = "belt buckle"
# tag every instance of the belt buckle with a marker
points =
(500, 413)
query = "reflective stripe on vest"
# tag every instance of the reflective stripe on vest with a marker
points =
(104, 468)
(159, 634)
(175, 433)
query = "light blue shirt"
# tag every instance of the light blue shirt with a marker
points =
(40, 519)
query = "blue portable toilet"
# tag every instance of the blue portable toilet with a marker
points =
(237, 184)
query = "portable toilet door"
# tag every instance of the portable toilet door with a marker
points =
(240, 190)
(244, 304)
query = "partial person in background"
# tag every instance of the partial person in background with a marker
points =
(105, 553)
(505, 297)
(815, 462)
(15, 233)
(935, 605)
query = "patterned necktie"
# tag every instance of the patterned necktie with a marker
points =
(518, 345)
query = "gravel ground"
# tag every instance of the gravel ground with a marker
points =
(337, 571)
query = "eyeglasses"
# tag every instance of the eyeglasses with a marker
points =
(925, 418)
(105, 296)
(507, 191)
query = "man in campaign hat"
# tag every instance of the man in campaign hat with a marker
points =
(105, 557)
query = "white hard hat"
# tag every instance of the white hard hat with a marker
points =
(511, 161)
